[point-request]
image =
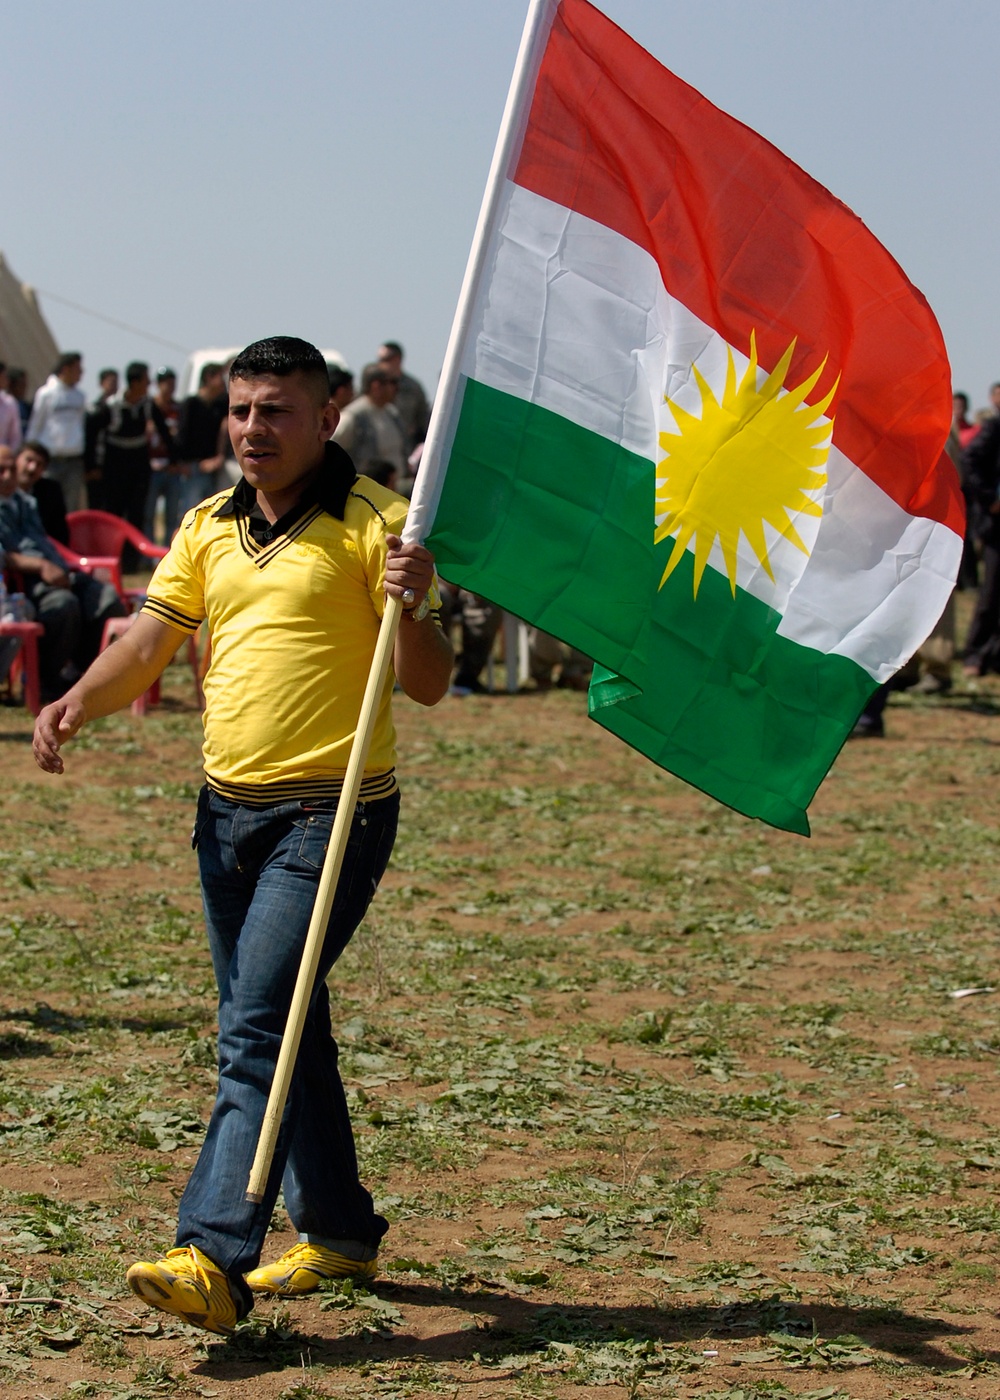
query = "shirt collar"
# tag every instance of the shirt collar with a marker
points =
(329, 491)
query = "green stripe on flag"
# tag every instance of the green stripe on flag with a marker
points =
(555, 524)
(551, 521)
(751, 718)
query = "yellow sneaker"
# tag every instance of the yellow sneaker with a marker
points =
(187, 1284)
(303, 1268)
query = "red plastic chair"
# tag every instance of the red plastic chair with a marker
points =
(98, 538)
(25, 664)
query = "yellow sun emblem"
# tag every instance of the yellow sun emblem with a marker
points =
(748, 460)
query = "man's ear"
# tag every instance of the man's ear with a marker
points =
(329, 421)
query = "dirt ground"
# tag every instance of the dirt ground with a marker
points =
(658, 1101)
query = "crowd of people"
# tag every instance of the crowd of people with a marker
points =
(140, 453)
(974, 446)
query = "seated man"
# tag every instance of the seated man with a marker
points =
(32, 462)
(72, 607)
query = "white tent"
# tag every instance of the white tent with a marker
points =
(25, 340)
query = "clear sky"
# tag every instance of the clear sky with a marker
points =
(212, 173)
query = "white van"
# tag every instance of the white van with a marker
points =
(221, 355)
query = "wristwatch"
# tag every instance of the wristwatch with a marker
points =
(418, 613)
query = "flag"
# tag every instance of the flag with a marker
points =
(694, 424)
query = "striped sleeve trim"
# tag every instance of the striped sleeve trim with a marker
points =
(171, 615)
(373, 786)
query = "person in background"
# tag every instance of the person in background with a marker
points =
(962, 433)
(17, 387)
(962, 426)
(10, 417)
(125, 426)
(382, 472)
(32, 460)
(480, 622)
(546, 653)
(411, 401)
(200, 426)
(166, 482)
(107, 388)
(370, 428)
(981, 476)
(72, 607)
(341, 387)
(57, 422)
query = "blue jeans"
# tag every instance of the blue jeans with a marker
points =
(260, 869)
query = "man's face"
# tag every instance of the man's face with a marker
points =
(389, 360)
(278, 429)
(73, 373)
(30, 466)
(109, 385)
(8, 473)
(383, 391)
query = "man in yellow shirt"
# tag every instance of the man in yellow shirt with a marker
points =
(290, 570)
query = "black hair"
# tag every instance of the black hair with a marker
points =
(380, 470)
(393, 347)
(282, 355)
(376, 374)
(964, 397)
(39, 449)
(136, 370)
(209, 371)
(67, 358)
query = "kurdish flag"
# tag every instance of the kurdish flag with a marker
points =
(692, 421)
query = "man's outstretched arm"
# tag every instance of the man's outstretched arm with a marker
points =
(118, 676)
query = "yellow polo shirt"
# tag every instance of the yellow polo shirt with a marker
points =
(293, 624)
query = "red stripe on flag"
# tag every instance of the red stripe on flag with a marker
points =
(748, 242)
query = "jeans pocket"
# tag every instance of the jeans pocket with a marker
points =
(315, 826)
(314, 838)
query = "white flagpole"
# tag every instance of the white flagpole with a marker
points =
(325, 894)
(441, 429)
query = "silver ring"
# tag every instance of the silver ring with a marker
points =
(409, 596)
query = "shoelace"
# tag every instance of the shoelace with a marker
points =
(193, 1268)
(200, 1273)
